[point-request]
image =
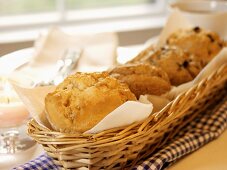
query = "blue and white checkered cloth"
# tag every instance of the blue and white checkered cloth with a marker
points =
(202, 130)
(43, 162)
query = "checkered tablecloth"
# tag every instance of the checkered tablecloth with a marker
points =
(202, 130)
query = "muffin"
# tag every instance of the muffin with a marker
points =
(202, 43)
(83, 99)
(179, 65)
(142, 78)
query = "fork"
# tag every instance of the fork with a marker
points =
(64, 67)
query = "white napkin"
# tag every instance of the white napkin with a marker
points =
(175, 22)
(98, 53)
(178, 20)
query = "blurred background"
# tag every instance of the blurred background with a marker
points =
(135, 21)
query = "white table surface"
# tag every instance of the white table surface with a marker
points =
(212, 156)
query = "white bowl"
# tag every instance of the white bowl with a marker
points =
(202, 7)
(211, 15)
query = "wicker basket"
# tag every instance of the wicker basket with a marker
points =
(124, 147)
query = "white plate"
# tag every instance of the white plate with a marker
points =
(13, 60)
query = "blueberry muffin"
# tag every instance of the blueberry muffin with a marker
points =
(202, 43)
(179, 65)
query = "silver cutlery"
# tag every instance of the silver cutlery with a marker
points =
(63, 68)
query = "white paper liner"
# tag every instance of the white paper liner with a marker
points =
(175, 22)
(33, 98)
(127, 113)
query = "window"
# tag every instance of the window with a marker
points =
(78, 4)
(15, 7)
(39, 12)
(23, 20)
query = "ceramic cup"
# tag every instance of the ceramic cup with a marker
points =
(210, 14)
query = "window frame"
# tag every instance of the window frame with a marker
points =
(62, 17)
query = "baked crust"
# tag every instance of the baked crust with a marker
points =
(142, 78)
(202, 43)
(83, 99)
(180, 65)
